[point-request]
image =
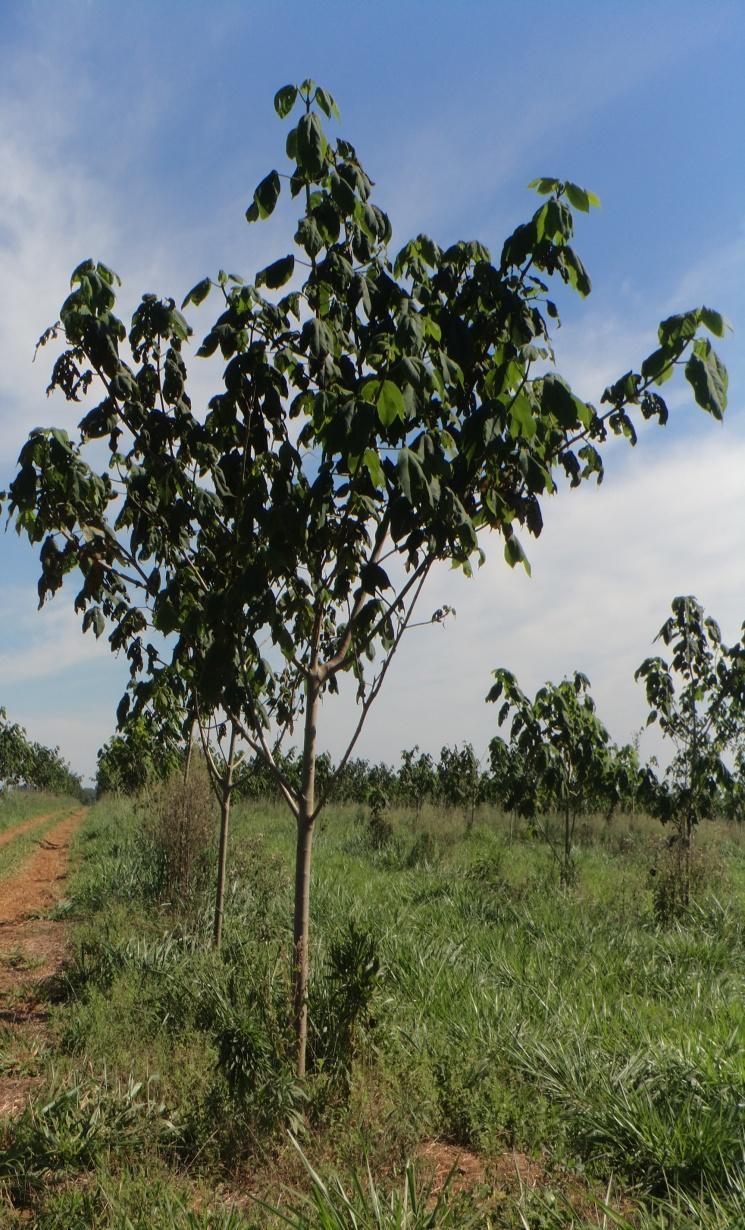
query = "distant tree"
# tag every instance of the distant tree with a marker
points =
(697, 699)
(417, 779)
(25, 761)
(459, 778)
(506, 783)
(144, 751)
(563, 746)
(374, 418)
(15, 752)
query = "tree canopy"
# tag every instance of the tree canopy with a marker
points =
(375, 414)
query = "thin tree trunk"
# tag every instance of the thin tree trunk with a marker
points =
(301, 931)
(222, 856)
(688, 841)
(567, 846)
(189, 750)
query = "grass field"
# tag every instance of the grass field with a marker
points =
(587, 1057)
(20, 805)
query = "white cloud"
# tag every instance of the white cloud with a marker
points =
(605, 570)
(48, 643)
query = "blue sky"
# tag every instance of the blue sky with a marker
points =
(136, 133)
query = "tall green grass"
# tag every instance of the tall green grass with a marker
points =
(19, 805)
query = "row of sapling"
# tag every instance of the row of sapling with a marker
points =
(25, 762)
(375, 417)
(560, 757)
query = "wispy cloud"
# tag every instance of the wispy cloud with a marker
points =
(47, 643)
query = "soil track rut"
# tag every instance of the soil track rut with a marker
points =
(32, 948)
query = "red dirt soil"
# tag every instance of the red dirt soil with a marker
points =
(32, 946)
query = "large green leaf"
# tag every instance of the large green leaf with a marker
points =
(284, 100)
(707, 377)
(659, 365)
(265, 198)
(514, 554)
(198, 293)
(310, 145)
(327, 103)
(276, 274)
(714, 321)
(580, 198)
(390, 402)
(559, 400)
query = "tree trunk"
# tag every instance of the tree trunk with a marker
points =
(222, 856)
(687, 844)
(301, 931)
(189, 750)
(301, 937)
(566, 869)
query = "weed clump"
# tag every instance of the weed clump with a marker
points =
(179, 827)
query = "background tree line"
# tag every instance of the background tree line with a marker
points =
(23, 762)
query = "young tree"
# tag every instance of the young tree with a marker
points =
(698, 701)
(146, 749)
(375, 416)
(15, 752)
(24, 761)
(563, 746)
(459, 779)
(417, 778)
(508, 776)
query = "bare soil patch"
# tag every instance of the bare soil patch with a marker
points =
(32, 947)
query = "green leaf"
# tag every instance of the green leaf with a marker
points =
(560, 401)
(708, 378)
(391, 404)
(327, 103)
(198, 293)
(577, 197)
(309, 237)
(679, 328)
(179, 326)
(580, 198)
(374, 578)
(284, 100)
(658, 366)
(318, 337)
(544, 185)
(276, 274)
(108, 275)
(265, 198)
(311, 145)
(409, 473)
(514, 554)
(714, 321)
(522, 421)
(371, 462)
(573, 271)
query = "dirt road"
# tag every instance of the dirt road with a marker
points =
(31, 949)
